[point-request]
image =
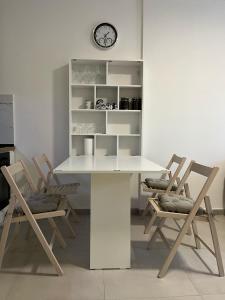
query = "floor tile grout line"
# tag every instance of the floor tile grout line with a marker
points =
(157, 298)
(202, 294)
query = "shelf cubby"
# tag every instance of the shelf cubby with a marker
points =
(108, 93)
(129, 146)
(79, 96)
(88, 72)
(124, 123)
(130, 92)
(77, 144)
(106, 145)
(124, 73)
(92, 122)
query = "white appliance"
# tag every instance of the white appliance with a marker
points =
(6, 120)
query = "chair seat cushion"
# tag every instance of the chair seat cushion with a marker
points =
(63, 189)
(178, 203)
(40, 203)
(159, 184)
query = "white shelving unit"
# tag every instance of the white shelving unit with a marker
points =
(116, 131)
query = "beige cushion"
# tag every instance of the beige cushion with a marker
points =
(63, 189)
(159, 184)
(39, 203)
(177, 203)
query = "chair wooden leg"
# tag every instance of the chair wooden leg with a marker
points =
(73, 212)
(150, 223)
(153, 238)
(188, 194)
(179, 227)
(145, 211)
(148, 206)
(57, 233)
(189, 232)
(214, 237)
(164, 238)
(69, 226)
(47, 248)
(41, 238)
(52, 240)
(195, 231)
(6, 227)
(177, 243)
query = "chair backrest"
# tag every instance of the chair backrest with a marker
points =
(10, 172)
(208, 172)
(179, 161)
(40, 162)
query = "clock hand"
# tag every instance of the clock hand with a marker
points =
(106, 34)
(105, 38)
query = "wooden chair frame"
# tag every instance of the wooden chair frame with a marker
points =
(39, 162)
(189, 219)
(172, 179)
(17, 198)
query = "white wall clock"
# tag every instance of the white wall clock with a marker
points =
(105, 35)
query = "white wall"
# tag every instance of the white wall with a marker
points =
(37, 39)
(184, 48)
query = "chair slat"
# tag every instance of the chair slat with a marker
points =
(178, 159)
(201, 169)
(51, 214)
(15, 168)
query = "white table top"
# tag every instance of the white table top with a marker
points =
(107, 164)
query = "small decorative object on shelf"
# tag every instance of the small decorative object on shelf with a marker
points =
(100, 104)
(88, 104)
(89, 74)
(139, 103)
(84, 128)
(88, 146)
(130, 104)
(124, 103)
(136, 104)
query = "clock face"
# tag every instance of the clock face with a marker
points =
(105, 35)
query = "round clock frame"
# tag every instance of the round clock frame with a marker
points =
(105, 38)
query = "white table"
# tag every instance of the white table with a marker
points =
(110, 204)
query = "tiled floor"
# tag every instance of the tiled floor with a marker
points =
(28, 275)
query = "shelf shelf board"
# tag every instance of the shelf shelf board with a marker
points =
(105, 85)
(83, 84)
(85, 109)
(106, 134)
(105, 60)
(82, 134)
(130, 85)
(104, 110)
(125, 110)
(130, 134)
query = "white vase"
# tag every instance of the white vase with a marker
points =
(88, 146)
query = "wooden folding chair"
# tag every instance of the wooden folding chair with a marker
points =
(19, 210)
(177, 210)
(45, 182)
(163, 185)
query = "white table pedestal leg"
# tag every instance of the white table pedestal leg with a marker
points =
(110, 221)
